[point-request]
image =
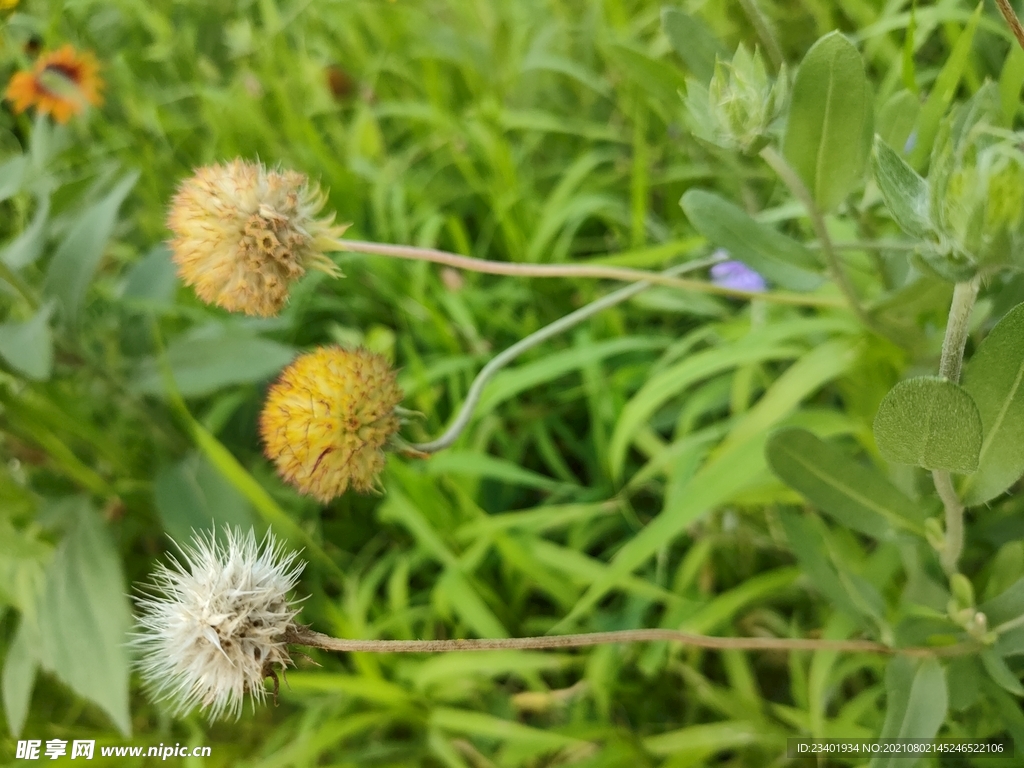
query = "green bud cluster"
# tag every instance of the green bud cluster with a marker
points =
(976, 195)
(737, 108)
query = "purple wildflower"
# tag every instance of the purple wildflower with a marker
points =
(737, 276)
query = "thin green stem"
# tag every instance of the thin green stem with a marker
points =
(953, 344)
(623, 274)
(300, 635)
(1012, 20)
(538, 337)
(796, 185)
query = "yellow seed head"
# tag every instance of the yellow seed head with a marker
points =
(243, 234)
(327, 419)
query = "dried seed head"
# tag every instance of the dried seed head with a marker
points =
(243, 234)
(327, 419)
(212, 627)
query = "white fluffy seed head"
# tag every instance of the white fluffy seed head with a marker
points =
(212, 627)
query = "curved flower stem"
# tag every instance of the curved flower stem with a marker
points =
(623, 274)
(953, 344)
(796, 185)
(537, 337)
(300, 635)
(1012, 20)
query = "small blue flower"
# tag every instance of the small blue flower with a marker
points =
(737, 276)
(910, 143)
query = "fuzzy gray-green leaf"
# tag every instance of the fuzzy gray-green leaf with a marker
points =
(905, 192)
(929, 422)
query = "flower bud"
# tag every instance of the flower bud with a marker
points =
(328, 418)
(738, 107)
(976, 183)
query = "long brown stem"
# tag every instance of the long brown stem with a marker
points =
(575, 270)
(300, 635)
(1012, 20)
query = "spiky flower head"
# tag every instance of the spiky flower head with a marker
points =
(61, 83)
(243, 234)
(327, 420)
(212, 626)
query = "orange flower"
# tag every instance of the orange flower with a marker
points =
(59, 84)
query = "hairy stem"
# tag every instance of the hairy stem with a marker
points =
(796, 185)
(537, 337)
(300, 635)
(957, 326)
(623, 274)
(964, 296)
(1012, 20)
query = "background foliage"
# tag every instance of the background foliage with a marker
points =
(614, 478)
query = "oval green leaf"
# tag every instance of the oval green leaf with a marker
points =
(929, 422)
(994, 378)
(828, 133)
(781, 259)
(852, 493)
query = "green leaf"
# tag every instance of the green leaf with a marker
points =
(484, 466)
(993, 378)
(1011, 80)
(694, 41)
(28, 346)
(896, 120)
(781, 259)
(662, 79)
(84, 616)
(855, 495)
(27, 246)
(929, 422)
(808, 543)
(152, 280)
(1000, 673)
(943, 91)
(19, 677)
(697, 742)
(79, 254)
(1005, 607)
(916, 704)
(212, 357)
(905, 192)
(193, 496)
(12, 172)
(829, 127)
